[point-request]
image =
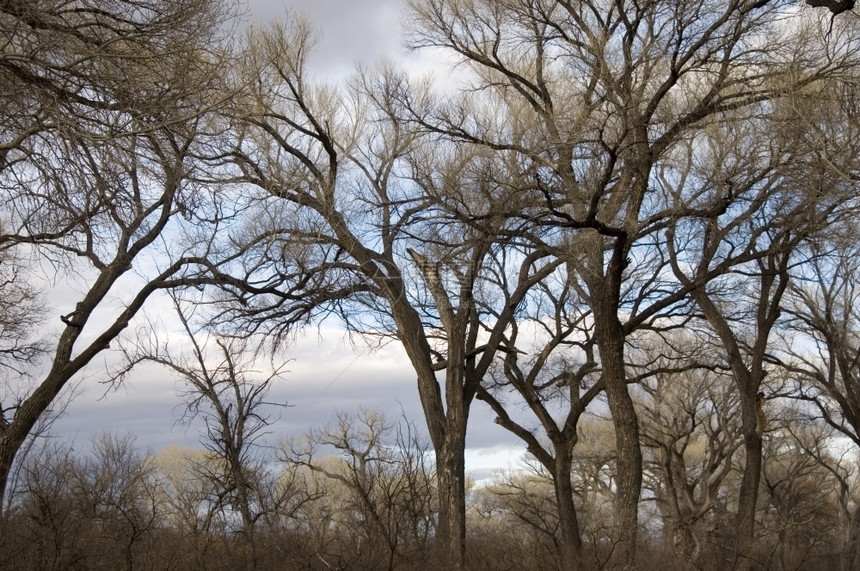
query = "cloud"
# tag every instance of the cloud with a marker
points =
(483, 463)
(326, 374)
(358, 31)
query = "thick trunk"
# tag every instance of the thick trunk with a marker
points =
(748, 378)
(447, 428)
(748, 493)
(748, 496)
(668, 519)
(451, 481)
(570, 542)
(248, 531)
(629, 472)
(629, 455)
(610, 337)
(851, 552)
(13, 434)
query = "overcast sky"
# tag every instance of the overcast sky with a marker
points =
(326, 373)
(349, 31)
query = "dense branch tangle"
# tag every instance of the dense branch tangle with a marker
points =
(107, 124)
(596, 99)
(394, 259)
(615, 170)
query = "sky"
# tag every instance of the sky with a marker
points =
(326, 373)
(349, 31)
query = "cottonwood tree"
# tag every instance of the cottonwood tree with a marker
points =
(822, 304)
(520, 506)
(116, 488)
(190, 506)
(777, 193)
(104, 132)
(822, 363)
(524, 501)
(743, 307)
(823, 301)
(806, 483)
(593, 97)
(352, 223)
(838, 477)
(45, 518)
(825, 305)
(557, 382)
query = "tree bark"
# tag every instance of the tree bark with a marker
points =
(570, 543)
(15, 433)
(451, 478)
(447, 428)
(748, 493)
(610, 336)
(629, 456)
(748, 381)
(851, 552)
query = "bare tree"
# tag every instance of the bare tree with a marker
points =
(191, 509)
(352, 223)
(103, 138)
(744, 322)
(44, 523)
(556, 382)
(118, 490)
(383, 487)
(805, 482)
(786, 193)
(99, 509)
(824, 353)
(826, 308)
(225, 386)
(594, 99)
(691, 432)
(521, 507)
(525, 502)
(823, 302)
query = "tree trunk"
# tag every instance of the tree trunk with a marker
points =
(451, 481)
(605, 289)
(13, 434)
(629, 455)
(748, 379)
(570, 543)
(629, 470)
(447, 428)
(8, 450)
(248, 525)
(851, 552)
(748, 493)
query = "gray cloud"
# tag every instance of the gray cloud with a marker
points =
(325, 375)
(349, 31)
